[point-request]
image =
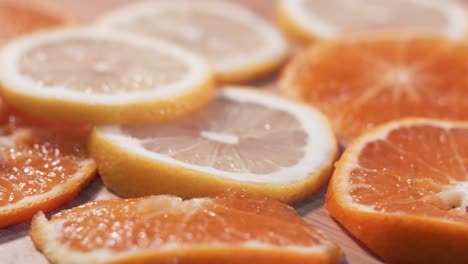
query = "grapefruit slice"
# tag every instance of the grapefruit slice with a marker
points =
(229, 228)
(40, 169)
(402, 189)
(239, 45)
(246, 139)
(18, 19)
(102, 77)
(363, 82)
(310, 19)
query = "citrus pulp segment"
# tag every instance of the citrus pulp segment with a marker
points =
(19, 19)
(41, 170)
(310, 20)
(102, 77)
(362, 82)
(247, 139)
(239, 45)
(402, 189)
(230, 228)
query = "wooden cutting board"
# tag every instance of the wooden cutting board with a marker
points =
(16, 247)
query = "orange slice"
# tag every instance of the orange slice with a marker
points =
(362, 82)
(18, 19)
(102, 77)
(402, 189)
(239, 45)
(310, 19)
(244, 138)
(229, 228)
(40, 169)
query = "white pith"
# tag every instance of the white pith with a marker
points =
(275, 49)
(319, 151)
(220, 137)
(455, 196)
(456, 27)
(12, 79)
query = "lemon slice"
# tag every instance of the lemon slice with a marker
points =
(245, 139)
(102, 77)
(311, 19)
(240, 45)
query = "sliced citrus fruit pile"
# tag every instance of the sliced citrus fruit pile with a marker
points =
(310, 19)
(40, 169)
(240, 45)
(229, 228)
(18, 19)
(402, 189)
(102, 77)
(362, 82)
(244, 138)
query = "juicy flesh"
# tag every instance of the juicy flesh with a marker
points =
(384, 80)
(35, 158)
(20, 19)
(229, 136)
(100, 66)
(33, 161)
(365, 15)
(421, 170)
(214, 36)
(155, 221)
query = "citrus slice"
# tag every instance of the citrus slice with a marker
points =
(362, 82)
(102, 77)
(18, 19)
(402, 189)
(310, 20)
(246, 139)
(40, 169)
(239, 45)
(229, 228)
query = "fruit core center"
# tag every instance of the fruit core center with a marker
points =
(398, 76)
(400, 81)
(455, 197)
(220, 137)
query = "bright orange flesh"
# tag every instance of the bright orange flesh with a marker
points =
(34, 161)
(157, 222)
(207, 221)
(411, 168)
(361, 83)
(18, 19)
(414, 184)
(36, 164)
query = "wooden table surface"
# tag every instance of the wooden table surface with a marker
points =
(16, 248)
